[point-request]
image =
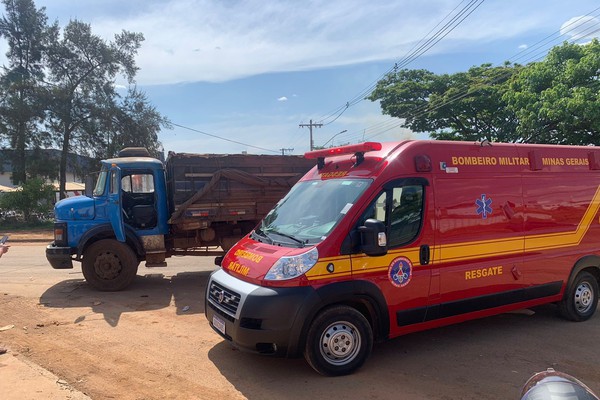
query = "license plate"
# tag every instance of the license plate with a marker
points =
(219, 324)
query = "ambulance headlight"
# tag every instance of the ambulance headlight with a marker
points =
(292, 267)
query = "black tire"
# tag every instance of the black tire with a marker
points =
(109, 265)
(339, 341)
(581, 298)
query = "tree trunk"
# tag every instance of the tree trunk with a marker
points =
(63, 163)
(19, 161)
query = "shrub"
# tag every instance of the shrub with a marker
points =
(32, 199)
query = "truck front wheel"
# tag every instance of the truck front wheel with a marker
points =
(339, 341)
(109, 265)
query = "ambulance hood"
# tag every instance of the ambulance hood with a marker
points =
(254, 261)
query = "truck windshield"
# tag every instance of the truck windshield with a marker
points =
(100, 183)
(310, 211)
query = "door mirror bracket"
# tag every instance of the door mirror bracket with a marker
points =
(373, 238)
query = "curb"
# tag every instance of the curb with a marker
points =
(25, 240)
(23, 379)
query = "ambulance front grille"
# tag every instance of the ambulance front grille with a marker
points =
(224, 298)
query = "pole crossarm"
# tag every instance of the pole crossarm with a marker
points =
(310, 127)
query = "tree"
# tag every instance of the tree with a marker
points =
(25, 29)
(557, 100)
(32, 198)
(133, 122)
(462, 106)
(552, 101)
(83, 68)
(65, 81)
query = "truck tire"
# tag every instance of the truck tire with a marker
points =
(339, 341)
(109, 265)
(581, 298)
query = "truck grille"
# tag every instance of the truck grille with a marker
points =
(226, 299)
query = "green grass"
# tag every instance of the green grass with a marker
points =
(20, 226)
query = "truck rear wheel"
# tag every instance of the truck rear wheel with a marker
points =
(109, 265)
(339, 341)
(581, 298)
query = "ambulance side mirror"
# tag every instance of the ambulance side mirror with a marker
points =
(373, 238)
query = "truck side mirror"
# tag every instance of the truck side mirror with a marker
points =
(89, 184)
(373, 238)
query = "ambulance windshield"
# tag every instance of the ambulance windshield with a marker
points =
(310, 211)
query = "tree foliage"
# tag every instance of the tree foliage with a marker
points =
(83, 68)
(551, 101)
(32, 198)
(21, 111)
(134, 122)
(60, 89)
(558, 100)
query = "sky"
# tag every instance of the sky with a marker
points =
(239, 76)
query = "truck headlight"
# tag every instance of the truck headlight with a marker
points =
(291, 267)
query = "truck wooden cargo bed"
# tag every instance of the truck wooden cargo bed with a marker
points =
(238, 190)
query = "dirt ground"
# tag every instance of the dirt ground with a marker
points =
(35, 235)
(153, 342)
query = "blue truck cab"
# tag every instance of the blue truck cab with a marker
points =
(123, 222)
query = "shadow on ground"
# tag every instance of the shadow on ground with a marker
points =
(185, 291)
(490, 358)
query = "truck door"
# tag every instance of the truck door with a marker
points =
(139, 199)
(403, 274)
(115, 213)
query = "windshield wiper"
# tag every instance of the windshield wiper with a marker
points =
(262, 234)
(299, 241)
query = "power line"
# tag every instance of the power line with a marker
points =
(222, 138)
(419, 111)
(538, 56)
(415, 52)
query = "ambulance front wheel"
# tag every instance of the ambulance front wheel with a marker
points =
(581, 298)
(339, 341)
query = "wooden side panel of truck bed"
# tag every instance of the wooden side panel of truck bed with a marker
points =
(210, 188)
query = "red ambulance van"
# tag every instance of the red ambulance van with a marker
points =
(384, 239)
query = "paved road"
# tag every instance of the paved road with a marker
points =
(153, 342)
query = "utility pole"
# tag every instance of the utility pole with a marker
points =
(310, 127)
(284, 150)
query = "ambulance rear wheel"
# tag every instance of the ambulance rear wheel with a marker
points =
(339, 341)
(581, 298)
(109, 265)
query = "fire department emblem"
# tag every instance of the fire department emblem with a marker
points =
(400, 271)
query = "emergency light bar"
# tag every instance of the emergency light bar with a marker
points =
(358, 150)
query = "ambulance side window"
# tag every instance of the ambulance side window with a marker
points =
(376, 210)
(406, 214)
(401, 209)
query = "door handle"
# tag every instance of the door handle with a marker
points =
(424, 254)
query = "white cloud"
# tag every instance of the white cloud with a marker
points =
(523, 47)
(582, 27)
(216, 41)
(282, 98)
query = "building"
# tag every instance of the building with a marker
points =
(77, 169)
